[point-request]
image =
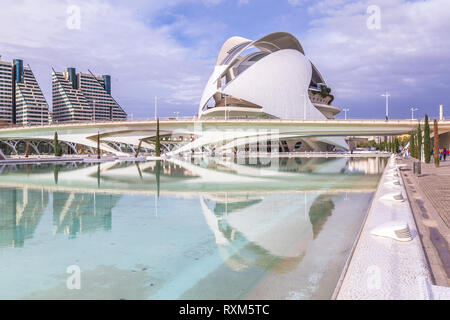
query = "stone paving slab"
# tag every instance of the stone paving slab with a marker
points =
(435, 184)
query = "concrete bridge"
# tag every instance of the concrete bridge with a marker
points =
(125, 137)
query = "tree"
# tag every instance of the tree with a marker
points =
(426, 140)
(396, 145)
(436, 143)
(412, 145)
(419, 143)
(404, 140)
(158, 177)
(157, 142)
(56, 173)
(57, 147)
(98, 145)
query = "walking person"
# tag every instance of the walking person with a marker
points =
(444, 153)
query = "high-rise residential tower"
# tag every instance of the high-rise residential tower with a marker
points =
(84, 97)
(21, 98)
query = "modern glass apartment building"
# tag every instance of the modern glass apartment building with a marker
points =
(84, 97)
(21, 98)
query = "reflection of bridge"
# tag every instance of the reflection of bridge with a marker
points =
(177, 136)
(334, 175)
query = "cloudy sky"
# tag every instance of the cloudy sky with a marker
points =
(167, 48)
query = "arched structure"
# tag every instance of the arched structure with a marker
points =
(181, 136)
(270, 78)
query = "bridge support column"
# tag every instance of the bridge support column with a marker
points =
(34, 146)
(12, 145)
(27, 149)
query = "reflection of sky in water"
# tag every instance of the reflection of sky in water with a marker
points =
(217, 229)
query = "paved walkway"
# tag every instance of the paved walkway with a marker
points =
(429, 197)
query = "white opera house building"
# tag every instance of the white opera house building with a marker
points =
(270, 78)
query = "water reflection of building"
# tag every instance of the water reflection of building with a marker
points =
(203, 174)
(257, 232)
(78, 213)
(167, 168)
(366, 165)
(21, 212)
(251, 228)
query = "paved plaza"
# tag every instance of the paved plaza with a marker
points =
(429, 196)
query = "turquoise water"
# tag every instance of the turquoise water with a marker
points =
(182, 229)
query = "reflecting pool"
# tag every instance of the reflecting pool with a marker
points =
(255, 228)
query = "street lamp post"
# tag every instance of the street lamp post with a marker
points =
(387, 95)
(94, 113)
(345, 112)
(412, 112)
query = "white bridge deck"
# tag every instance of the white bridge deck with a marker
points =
(197, 133)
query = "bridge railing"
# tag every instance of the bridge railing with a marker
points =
(233, 119)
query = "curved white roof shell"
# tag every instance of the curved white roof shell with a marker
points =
(269, 77)
(228, 47)
(279, 82)
(275, 76)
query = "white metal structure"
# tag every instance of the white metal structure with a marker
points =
(270, 78)
(185, 135)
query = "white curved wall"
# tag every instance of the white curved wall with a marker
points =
(228, 45)
(279, 82)
(211, 86)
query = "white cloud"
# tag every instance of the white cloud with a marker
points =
(143, 60)
(409, 54)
